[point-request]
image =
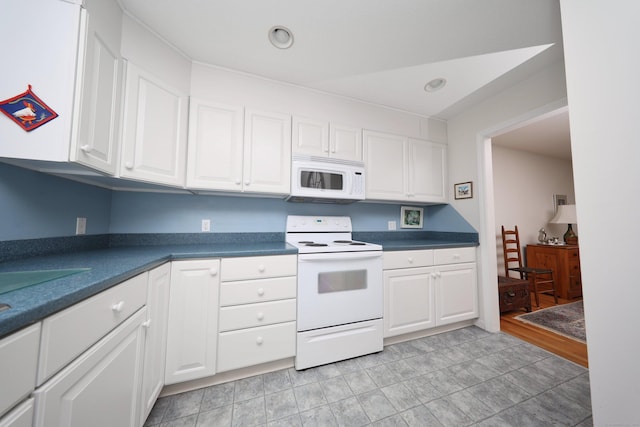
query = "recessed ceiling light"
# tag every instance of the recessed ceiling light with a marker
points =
(281, 37)
(435, 84)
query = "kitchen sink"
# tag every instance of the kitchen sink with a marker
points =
(13, 280)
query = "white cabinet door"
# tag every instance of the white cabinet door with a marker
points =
(409, 301)
(214, 159)
(384, 158)
(425, 171)
(155, 346)
(345, 142)
(96, 137)
(19, 356)
(155, 130)
(20, 416)
(99, 388)
(310, 137)
(193, 320)
(267, 153)
(457, 293)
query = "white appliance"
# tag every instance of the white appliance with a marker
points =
(326, 180)
(340, 291)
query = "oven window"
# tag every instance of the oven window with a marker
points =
(322, 180)
(338, 281)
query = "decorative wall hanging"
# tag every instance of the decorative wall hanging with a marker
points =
(411, 217)
(464, 190)
(27, 110)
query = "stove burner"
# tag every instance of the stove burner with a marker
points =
(316, 244)
(304, 242)
(357, 243)
(342, 241)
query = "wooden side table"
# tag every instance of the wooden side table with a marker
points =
(564, 260)
(514, 294)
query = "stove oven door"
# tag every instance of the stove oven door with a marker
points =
(339, 288)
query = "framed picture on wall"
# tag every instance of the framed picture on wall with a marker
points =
(411, 217)
(463, 190)
(559, 199)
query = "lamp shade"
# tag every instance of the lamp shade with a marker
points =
(566, 214)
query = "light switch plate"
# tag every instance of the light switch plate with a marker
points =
(391, 225)
(206, 225)
(81, 226)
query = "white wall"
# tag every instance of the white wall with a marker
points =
(469, 156)
(523, 185)
(603, 65)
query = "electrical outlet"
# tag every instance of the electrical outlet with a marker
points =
(81, 225)
(391, 225)
(206, 225)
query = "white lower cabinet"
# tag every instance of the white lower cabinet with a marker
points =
(428, 288)
(193, 320)
(155, 345)
(99, 388)
(20, 416)
(257, 311)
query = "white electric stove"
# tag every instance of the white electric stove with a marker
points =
(340, 291)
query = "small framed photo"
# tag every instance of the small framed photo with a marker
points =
(559, 199)
(463, 190)
(411, 217)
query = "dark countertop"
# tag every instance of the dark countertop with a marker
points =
(113, 265)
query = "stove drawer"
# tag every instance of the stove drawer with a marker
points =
(253, 346)
(261, 314)
(251, 291)
(408, 259)
(259, 267)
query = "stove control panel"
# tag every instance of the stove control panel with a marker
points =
(298, 223)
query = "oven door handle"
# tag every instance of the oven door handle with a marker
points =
(340, 256)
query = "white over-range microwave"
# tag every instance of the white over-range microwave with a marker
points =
(326, 180)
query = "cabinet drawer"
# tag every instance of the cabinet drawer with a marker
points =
(67, 334)
(20, 416)
(259, 267)
(250, 291)
(247, 347)
(260, 314)
(406, 259)
(19, 356)
(454, 255)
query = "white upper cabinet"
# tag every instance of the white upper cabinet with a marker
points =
(319, 138)
(404, 169)
(231, 149)
(214, 159)
(154, 130)
(95, 141)
(78, 75)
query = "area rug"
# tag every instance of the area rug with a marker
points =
(565, 319)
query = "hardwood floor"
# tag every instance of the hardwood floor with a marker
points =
(562, 346)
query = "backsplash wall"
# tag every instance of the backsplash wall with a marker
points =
(36, 205)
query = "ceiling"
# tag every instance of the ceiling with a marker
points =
(377, 51)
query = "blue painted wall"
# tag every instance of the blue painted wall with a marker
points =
(36, 205)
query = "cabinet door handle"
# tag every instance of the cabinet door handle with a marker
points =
(260, 291)
(147, 324)
(238, 181)
(128, 165)
(117, 308)
(259, 340)
(260, 316)
(213, 271)
(86, 148)
(247, 182)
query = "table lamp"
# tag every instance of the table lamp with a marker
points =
(566, 214)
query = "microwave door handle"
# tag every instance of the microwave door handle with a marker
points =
(340, 256)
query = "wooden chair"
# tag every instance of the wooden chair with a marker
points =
(540, 279)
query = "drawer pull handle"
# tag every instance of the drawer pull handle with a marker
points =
(86, 148)
(261, 292)
(213, 271)
(261, 268)
(117, 308)
(410, 260)
(259, 340)
(260, 316)
(128, 165)
(456, 256)
(147, 324)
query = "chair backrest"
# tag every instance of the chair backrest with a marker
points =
(511, 250)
